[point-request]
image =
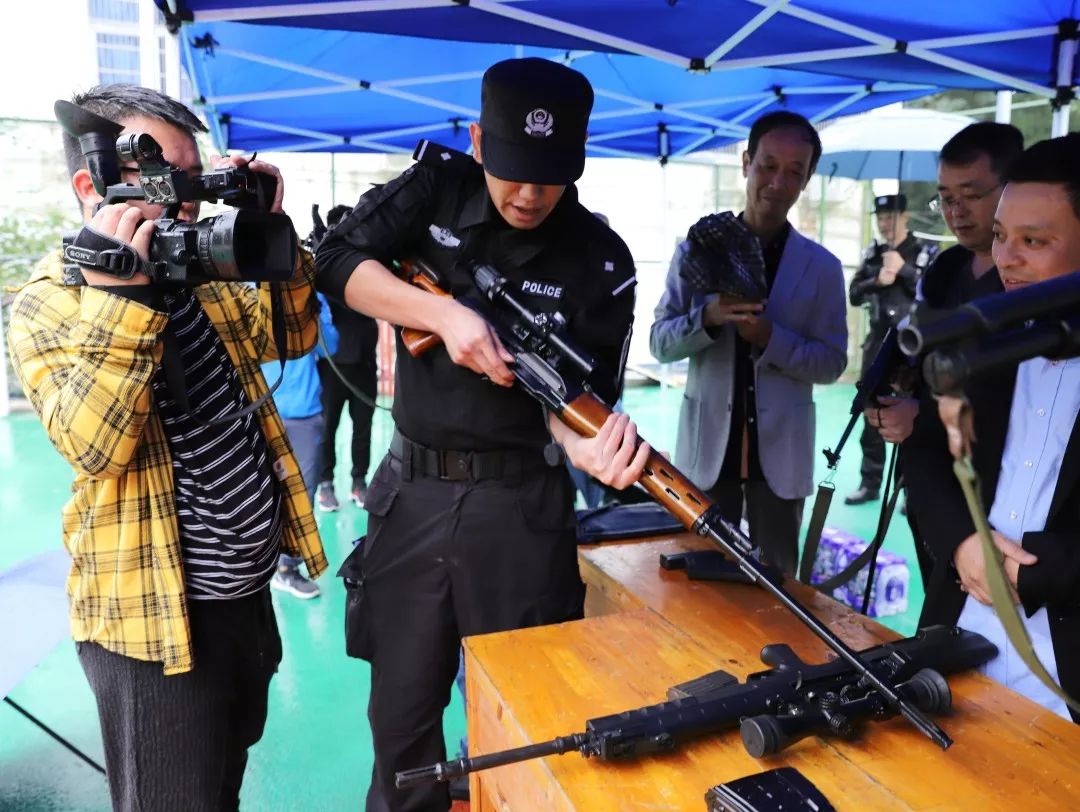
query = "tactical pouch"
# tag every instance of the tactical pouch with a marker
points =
(357, 610)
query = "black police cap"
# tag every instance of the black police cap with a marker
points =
(534, 116)
(887, 203)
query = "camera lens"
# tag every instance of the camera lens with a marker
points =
(247, 245)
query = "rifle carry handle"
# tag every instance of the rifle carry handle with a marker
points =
(417, 342)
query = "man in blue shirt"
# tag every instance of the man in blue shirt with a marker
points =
(299, 402)
(1027, 451)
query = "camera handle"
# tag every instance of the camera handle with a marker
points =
(173, 366)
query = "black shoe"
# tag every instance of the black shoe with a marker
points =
(861, 496)
(903, 506)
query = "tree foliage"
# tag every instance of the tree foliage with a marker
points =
(28, 236)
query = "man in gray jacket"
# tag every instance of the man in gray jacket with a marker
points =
(746, 428)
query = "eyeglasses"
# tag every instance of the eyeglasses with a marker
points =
(940, 205)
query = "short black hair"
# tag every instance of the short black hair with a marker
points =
(1056, 160)
(1001, 143)
(119, 101)
(785, 119)
(333, 217)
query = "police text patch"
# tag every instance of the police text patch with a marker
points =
(540, 287)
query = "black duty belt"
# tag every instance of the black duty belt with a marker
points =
(459, 466)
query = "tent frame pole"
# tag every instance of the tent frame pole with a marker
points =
(1066, 63)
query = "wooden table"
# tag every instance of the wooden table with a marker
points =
(651, 628)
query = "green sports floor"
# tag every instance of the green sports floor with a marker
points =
(316, 752)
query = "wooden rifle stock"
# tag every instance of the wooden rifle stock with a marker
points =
(415, 272)
(664, 482)
(585, 415)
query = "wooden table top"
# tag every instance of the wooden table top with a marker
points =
(657, 629)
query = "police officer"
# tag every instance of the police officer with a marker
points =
(886, 282)
(470, 529)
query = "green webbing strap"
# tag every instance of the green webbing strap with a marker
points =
(869, 555)
(822, 502)
(998, 583)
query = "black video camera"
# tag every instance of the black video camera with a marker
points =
(249, 244)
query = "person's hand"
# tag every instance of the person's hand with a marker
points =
(891, 264)
(219, 162)
(613, 456)
(723, 310)
(126, 224)
(755, 329)
(956, 416)
(971, 565)
(894, 418)
(472, 343)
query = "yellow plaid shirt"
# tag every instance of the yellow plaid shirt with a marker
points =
(85, 358)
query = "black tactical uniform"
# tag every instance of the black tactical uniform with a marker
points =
(888, 305)
(470, 531)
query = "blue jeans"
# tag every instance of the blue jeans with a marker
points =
(305, 436)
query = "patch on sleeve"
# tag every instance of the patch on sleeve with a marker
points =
(443, 236)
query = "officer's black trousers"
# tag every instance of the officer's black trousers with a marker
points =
(873, 447)
(444, 560)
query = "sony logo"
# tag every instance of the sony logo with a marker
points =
(76, 254)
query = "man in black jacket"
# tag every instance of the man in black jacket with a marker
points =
(885, 282)
(1027, 452)
(971, 174)
(471, 529)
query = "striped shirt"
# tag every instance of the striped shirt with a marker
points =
(86, 359)
(227, 506)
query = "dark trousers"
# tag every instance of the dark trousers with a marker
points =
(774, 522)
(335, 394)
(873, 447)
(181, 742)
(443, 560)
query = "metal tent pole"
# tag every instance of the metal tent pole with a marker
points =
(1066, 62)
(1003, 107)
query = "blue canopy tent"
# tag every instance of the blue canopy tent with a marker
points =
(277, 88)
(883, 50)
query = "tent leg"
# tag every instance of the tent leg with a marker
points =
(55, 735)
(1003, 106)
(1066, 63)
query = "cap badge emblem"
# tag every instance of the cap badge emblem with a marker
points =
(539, 123)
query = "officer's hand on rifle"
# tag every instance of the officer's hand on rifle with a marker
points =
(126, 224)
(471, 343)
(891, 264)
(971, 566)
(723, 310)
(613, 456)
(894, 418)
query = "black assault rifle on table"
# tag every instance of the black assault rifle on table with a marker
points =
(773, 709)
(555, 372)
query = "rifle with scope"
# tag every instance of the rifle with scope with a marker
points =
(773, 709)
(995, 331)
(555, 372)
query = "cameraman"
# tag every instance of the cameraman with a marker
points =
(174, 527)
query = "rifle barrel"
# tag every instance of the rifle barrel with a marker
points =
(449, 770)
